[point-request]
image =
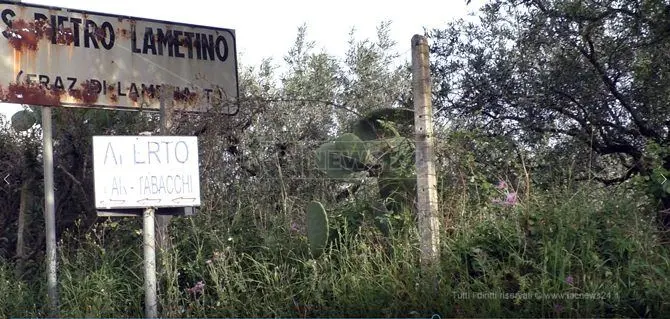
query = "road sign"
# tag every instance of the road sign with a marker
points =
(63, 57)
(134, 212)
(145, 171)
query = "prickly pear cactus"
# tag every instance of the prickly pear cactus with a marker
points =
(381, 146)
(376, 124)
(342, 157)
(317, 228)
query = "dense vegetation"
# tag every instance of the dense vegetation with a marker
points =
(551, 123)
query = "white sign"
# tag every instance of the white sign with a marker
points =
(66, 57)
(146, 171)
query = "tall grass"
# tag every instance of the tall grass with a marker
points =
(18, 297)
(569, 253)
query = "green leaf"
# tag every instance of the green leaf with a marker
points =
(381, 217)
(317, 228)
(397, 154)
(23, 120)
(396, 189)
(397, 180)
(397, 115)
(350, 145)
(381, 123)
(342, 157)
(368, 130)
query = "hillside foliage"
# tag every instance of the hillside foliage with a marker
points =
(551, 132)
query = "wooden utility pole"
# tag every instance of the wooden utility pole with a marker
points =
(429, 227)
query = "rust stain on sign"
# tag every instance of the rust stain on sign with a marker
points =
(149, 93)
(32, 93)
(88, 92)
(64, 57)
(124, 33)
(26, 35)
(100, 33)
(185, 96)
(23, 34)
(65, 36)
(35, 93)
(133, 96)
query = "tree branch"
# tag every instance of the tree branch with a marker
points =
(612, 181)
(344, 194)
(594, 121)
(611, 86)
(331, 103)
(75, 180)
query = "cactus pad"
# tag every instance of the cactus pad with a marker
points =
(317, 228)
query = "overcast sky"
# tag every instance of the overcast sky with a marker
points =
(268, 28)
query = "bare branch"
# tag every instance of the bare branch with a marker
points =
(331, 103)
(590, 55)
(611, 181)
(75, 180)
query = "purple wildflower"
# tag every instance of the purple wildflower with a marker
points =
(570, 280)
(510, 200)
(198, 288)
(501, 185)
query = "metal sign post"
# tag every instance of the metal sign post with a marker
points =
(57, 57)
(146, 175)
(49, 210)
(149, 235)
(149, 230)
(166, 112)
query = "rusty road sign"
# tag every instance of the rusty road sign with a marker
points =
(65, 57)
